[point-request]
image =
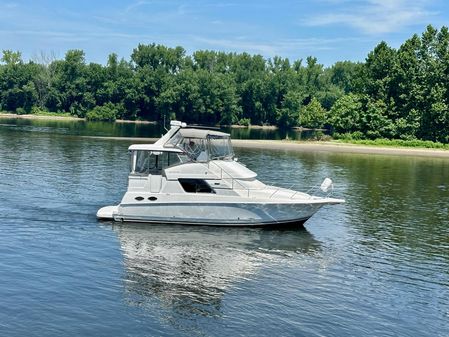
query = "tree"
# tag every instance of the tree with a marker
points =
(313, 115)
(71, 83)
(158, 56)
(373, 120)
(288, 113)
(346, 75)
(17, 90)
(12, 58)
(344, 115)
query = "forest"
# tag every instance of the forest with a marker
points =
(398, 93)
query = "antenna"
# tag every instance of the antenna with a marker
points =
(164, 124)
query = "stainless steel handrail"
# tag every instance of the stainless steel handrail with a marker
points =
(230, 177)
(311, 191)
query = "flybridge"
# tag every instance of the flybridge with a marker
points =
(192, 144)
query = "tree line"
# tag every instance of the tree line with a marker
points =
(395, 93)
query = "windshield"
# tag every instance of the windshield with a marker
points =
(196, 148)
(203, 149)
(220, 147)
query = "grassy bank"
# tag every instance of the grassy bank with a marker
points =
(51, 114)
(339, 147)
(41, 115)
(60, 116)
(425, 144)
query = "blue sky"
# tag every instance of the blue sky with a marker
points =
(331, 30)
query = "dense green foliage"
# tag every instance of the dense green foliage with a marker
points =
(395, 142)
(395, 94)
(107, 112)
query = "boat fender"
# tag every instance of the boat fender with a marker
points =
(326, 185)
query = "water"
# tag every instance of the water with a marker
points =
(82, 128)
(376, 266)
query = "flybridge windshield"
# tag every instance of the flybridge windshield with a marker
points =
(220, 148)
(203, 146)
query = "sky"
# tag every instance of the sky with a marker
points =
(331, 30)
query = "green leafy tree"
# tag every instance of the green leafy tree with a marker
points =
(345, 114)
(17, 90)
(107, 112)
(313, 115)
(71, 82)
(288, 113)
(373, 120)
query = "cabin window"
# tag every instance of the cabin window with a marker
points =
(195, 186)
(153, 162)
(141, 162)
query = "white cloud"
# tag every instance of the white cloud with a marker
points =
(269, 48)
(136, 5)
(375, 16)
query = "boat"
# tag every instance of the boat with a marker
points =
(191, 176)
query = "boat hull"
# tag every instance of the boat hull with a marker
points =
(214, 214)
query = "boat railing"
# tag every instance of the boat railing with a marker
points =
(233, 181)
(311, 192)
(326, 188)
(278, 189)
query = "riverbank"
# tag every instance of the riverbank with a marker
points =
(262, 127)
(288, 145)
(42, 117)
(54, 117)
(312, 146)
(335, 147)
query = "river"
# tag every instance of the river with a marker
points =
(375, 266)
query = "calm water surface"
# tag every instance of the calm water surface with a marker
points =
(82, 128)
(376, 266)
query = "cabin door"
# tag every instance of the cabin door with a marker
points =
(155, 183)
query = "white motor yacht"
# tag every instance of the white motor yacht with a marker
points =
(190, 176)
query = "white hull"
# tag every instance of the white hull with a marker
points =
(228, 214)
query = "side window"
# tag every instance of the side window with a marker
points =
(153, 162)
(142, 162)
(176, 158)
(195, 186)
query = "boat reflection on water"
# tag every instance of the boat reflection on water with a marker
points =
(186, 270)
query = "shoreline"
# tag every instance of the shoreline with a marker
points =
(251, 126)
(45, 117)
(66, 118)
(312, 146)
(124, 121)
(333, 147)
(299, 146)
(73, 118)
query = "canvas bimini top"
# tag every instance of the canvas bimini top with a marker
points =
(153, 147)
(201, 133)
